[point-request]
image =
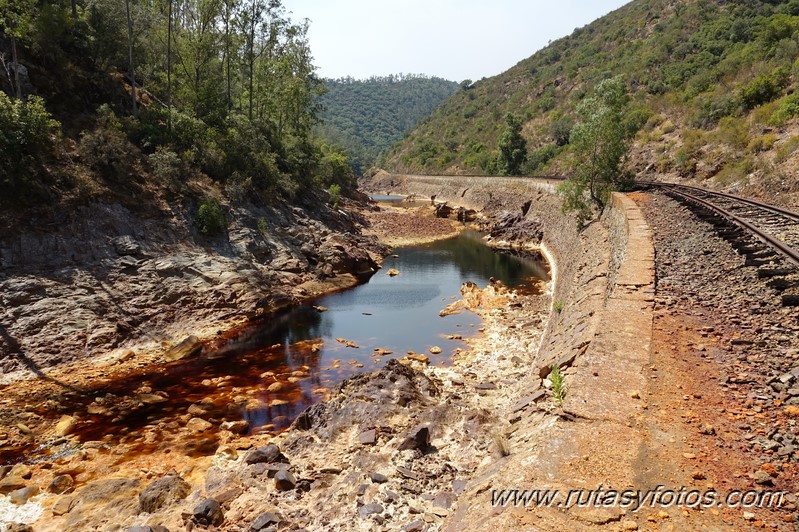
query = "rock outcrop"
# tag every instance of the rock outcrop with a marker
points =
(104, 276)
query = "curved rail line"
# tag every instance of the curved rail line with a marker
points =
(760, 219)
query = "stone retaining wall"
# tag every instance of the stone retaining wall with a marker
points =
(599, 331)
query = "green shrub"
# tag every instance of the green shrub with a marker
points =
(560, 130)
(26, 132)
(166, 165)
(734, 132)
(735, 170)
(761, 143)
(684, 162)
(558, 386)
(789, 108)
(787, 149)
(335, 195)
(763, 88)
(210, 219)
(540, 157)
(105, 148)
(334, 168)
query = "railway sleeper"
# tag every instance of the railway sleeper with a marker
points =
(764, 253)
(755, 261)
(781, 284)
(768, 273)
(790, 299)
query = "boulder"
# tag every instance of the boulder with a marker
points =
(264, 521)
(65, 426)
(208, 513)
(265, 455)
(21, 496)
(368, 437)
(417, 438)
(370, 509)
(126, 245)
(18, 527)
(189, 347)
(197, 424)
(443, 210)
(61, 484)
(284, 480)
(163, 492)
(515, 227)
(236, 427)
(11, 483)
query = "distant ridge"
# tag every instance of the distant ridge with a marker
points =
(368, 116)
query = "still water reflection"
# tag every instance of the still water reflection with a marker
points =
(397, 314)
(271, 371)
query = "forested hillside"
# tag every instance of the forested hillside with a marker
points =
(713, 87)
(368, 116)
(100, 95)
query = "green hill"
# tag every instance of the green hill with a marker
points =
(368, 116)
(712, 83)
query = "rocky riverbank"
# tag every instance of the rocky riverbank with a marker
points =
(110, 281)
(387, 450)
(407, 223)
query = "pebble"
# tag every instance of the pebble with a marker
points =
(285, 480)
(370, 509)
(378, 478)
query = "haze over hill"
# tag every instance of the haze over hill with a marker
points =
(712, 83)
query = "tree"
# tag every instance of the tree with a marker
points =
(169, 66)
(131, 69)
(15, 19)
(512, 147)
(600, 142)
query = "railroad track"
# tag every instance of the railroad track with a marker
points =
(738, 220)
(775, 226)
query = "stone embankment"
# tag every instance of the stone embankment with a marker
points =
(598, 333)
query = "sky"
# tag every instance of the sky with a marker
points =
(452, 39)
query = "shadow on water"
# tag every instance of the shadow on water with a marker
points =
(268, 372)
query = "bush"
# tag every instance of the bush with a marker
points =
(761, 143)
(334, 168)
(733, 131)
(166, 165)
(210, 219)
(789, 108)
(106, 149)
(540, 157)
(763, 88)
(26, 131)
(786, 149)
(335, 195)
(735, 171)
(560, 130)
